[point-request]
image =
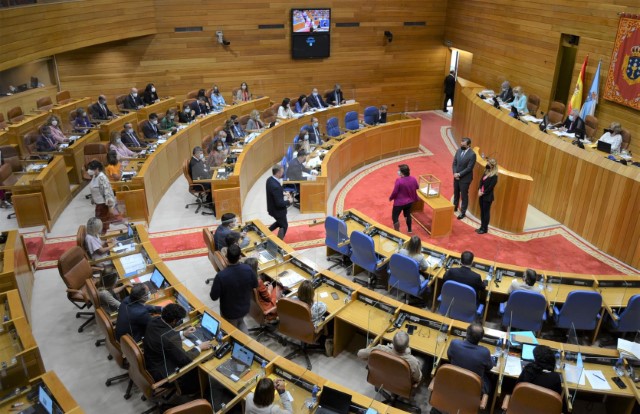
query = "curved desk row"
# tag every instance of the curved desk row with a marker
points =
(593, 196)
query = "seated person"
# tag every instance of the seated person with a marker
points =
(113, 170)
(230, 238)
(306, 294)
(150, 129)
(198, 170)
(399, 348)
(520, 101)
(268, 291)
(382, 117)
(228, 222)
(163, 352)
(199, 107)
(217, 100)
(574, 124)
(465, 275)
(186, 115)
(46, 142)
(243, 94)
(133, 101)
(261, 401)
(414, 251)
(100, 110)
(315, 136)
(506, 93)
(150, 96)
(254, 124)
(613, 136)
(130, 138)
(302, 105)
(296, 167)
(541, 371)
(168, 123)
(53, 122)
(315, 100)
(133, 314)
(121, 150)
(234, 129)
(284, 110)
(217, 153)
(81, 123)
(203, 94)
(301, 145)
(528, 282)
(336, 96)
(469, 355)
(95, 246)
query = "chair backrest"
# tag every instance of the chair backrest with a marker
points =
(580, 310)
(74, 268)
(533, 399)
(94, 151)
(120, 102)
(556, 112)
(206, 142)
(456, 390)
(351, 120)
(629, 320)
(527, 308)
(336, 233)
(626, 139)
(268, 116)
(192, 94)
(371, 115)
(105, 327)
(459, 300)
(243, 120)
(44, 103)
(305, 128)
(29, 140)
(92, 293)
(15, 114)
(3, 122)
(363, 251)
(187, 102)
(533, 104)
(63, 97)
(333, 128)
(220, 260)
(255, 310)
(234, 93)
(187, 176)
(295, 320)
(289, 155)
(285, 167)
(591, 126)
(137, 370)
(199, 406)
(391, 372)
(10, 155)
(404, 274)
(211, 247)
(6, 175)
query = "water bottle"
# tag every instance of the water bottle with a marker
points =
(314, 394)
(490, 274)
(619, 368)
(558, 361)
(263, 367)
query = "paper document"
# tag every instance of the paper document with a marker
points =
(530, 118)
(161, 141)
(142, 279)
(133, 263)
(513, 366)
(526, 337)
(574, 374)
(629, 349)
(324, 295)
(429, 191)
(433, 261)
(290, 278)
(597, 380)
(124, 247)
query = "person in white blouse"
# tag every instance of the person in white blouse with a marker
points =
(284, 110)
(613, 136)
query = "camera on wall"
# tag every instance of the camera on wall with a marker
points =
(221, 39)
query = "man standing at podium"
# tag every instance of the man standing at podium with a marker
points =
(463, 162)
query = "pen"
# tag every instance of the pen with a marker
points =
(599, 377)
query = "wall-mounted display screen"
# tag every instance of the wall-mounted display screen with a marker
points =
(310, 20)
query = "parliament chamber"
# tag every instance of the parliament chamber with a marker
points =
(59, 57)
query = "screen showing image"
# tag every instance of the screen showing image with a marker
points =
(157, 279)
(45, 400)
(310, 20)
(210, 323)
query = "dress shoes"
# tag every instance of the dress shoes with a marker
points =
(481, 231)
(461, 216)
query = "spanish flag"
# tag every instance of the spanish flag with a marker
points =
(576, 99)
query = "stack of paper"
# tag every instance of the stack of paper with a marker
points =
(429, 191)
(629, 349)
(513, 367)
(133, 263)
(290, 279)
(574, 374)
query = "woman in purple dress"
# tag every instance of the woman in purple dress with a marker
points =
(403, 196)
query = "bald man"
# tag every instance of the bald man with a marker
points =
(133, 101)
(400, 348)
(574, 124)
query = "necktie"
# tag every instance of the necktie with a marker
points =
(316, 133)
(135, 140)
(318, 100)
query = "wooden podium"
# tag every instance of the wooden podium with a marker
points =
(441, 209)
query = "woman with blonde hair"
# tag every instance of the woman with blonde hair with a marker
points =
(613, 136)
(520, 101)
(254, 124)
(485, 192)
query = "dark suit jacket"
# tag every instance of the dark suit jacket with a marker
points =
(331, 97)
(276, 204)
(313, 101)
(132, 103)
(150, 131)
(489, 184)
(313, 137)
(464, 166)
(506, 96)
(198, 170)
(133, 318)
(466, 276)
(98, 113)
(575, 126)
(44, 144)
(449, 85)
(132, 141)
(163, 352)
(199, 110)
(534, 375)
(475, 358)
(149, 97)
(184, 118)
(294, 172)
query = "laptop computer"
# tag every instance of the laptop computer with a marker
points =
(184, 302)
(333, 401)
(44, 404)
(603, 146)
(268, 253)
(239, 364)
(207, 330)
(127, 236)
(156, 281)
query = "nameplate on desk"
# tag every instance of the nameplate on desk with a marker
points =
(481, 267)
(569, 281)
(377, 304)
(618, 284)
(486, 339)
(252, 227)
(351, 216)
(336, 285)
(511, 272)
(295, 380)
(307, 268)
(429, 323)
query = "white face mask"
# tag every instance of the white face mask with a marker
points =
(187, 111)
(135, 94)
(306, 137)
(83, 114)
(315, 94)
(571, 118)
(54, 122)
(91, 173)
(129, 130)
(118, 141)
(244, 87)
(399, 174)
(219, 147)
(223, 140)
(315, 125)
(201, 156)
(154, 122)
(153, 89)
(172, 117)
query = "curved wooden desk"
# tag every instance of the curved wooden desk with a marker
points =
(596, 198)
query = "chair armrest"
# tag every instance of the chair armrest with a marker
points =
(269, 311)
(344, 243)
(483, 401)
(430, 387)
(480, 309)
(505, 402)
(205, 181)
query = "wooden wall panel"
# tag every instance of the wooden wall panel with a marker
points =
(406, 74)
(519, 42)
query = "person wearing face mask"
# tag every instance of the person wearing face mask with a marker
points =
(150, 96)
(613, 136)
(243, 94)
(302, 144)
(284, 110)
(336, 97)
(277, 203)
(199, 170)
(574, 124)
(520, 101)
(168, 122)
(186, 115)
(485, 194)
(134, 315)
(163, 352)
(506, 92)
(463, 162)
(403, 196)
(199, 107)
(121, 150)
(302, 105)
(46, 142)
(133, 101)
(382, 116)
(217, 100)
(102, 195)
(100, 110)
(130, 138)
(150, 129)
(315, 100)
(81, 122)
(217, 154)
(235, 129)
(315, 136)
(227, 224)
(254, 124)
(56, 129)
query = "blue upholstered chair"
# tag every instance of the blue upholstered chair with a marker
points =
(524, 310)
(337, 239)
(629, 319)
(371, 115)
(459, 300)
(351, 121)
(363, 254)
(580, 310)
(333, 128)
(404, 275)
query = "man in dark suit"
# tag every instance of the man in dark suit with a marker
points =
(574, 124)
(199, 107)
(186, 115)
(130, 138)
(133, 101)
(297, 167)
(315, 136)
(449, 89)
(100, 110)
(465, 275)
(336, 96)
(276, 202)
(198, 170)
(46, 142)
(315, 100)
(163, 353)
(469, 355)
(506, 92)
(133, 314)
(150, 129)
(463, 162)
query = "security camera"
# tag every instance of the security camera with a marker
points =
(221, 38)
(388, 35)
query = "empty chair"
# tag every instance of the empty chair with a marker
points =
(9, 154)
(74, 269)
(532, 399)
(459, 300)
(296, 323)
(7, 179)
(581, 311)
(591, 127)
(393, 374)
(524, 310)
(199, 406)
(371, 115)
(120, 103)
(15, 115)
(105, 327)
(63, 97)
(363, 254)
(556, 112)
(333, 129)
(336, 240)
(533, 104)
(457, 390)
(629, 319)
(351, 121)
(626, 139)
(44, 103)
(404, 275)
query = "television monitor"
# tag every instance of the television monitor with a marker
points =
(310, 20)
(310, 46)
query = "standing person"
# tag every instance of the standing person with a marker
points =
(234, 287)
(485, 192)
(463, 162)
(102, 195)
(277, 203)
(403, 196)
(449, 89)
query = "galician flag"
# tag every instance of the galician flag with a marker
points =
(589, 107)
(576, 99)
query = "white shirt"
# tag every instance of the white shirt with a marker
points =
(614, 140)
(285, 113)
